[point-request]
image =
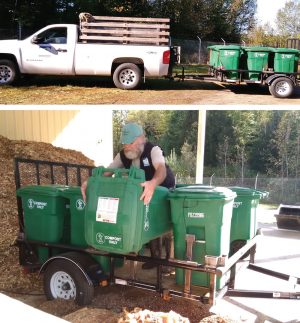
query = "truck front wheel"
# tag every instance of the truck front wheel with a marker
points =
(64, 280)
(282, 87)
(127, 76)
(8, 72)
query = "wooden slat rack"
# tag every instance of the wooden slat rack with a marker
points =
(124, 30)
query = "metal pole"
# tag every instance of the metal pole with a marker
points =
(255, 186)
(200, 146)
(199, 50)
(223, 41)
(20, 30)
(211, 177)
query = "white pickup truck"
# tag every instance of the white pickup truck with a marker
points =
(121, 50)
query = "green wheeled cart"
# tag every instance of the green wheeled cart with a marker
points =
(116, 220)
(46, 215)
(205, 213)
(258, 59)
(244, 216)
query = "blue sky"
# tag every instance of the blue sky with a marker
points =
(267, 10)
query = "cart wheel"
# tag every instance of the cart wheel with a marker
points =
(64, 280)
(9, 72)
(127, 76)
(236, 245)
(282, 87)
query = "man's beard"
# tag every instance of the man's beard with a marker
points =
(131, 154)
(134, 154)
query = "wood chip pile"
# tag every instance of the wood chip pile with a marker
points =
(139, 315)
(12, 277)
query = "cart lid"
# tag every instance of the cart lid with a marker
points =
(246, 191)
(203, 192)
(258, 49)
(45, 190)
(287, 50)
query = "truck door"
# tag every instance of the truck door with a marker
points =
(49, 52)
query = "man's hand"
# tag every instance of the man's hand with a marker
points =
(83, 190)
(149, 187)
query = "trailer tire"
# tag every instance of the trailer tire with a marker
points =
(64, 280)
(282, 87)
(9, 72)
(127, 76)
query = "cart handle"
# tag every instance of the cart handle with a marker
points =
(132, 172)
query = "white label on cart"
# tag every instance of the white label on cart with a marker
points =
(196, 215)
(107, 209)
(237, 204)
(36, 204)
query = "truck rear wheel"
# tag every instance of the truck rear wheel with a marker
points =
(127, 76)
(8, 72)
(64, 280)
(282, 87)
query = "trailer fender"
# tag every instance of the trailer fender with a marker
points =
(84, 262)
(273, 77)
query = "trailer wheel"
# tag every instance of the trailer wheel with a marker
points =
(8, 72)
(127, 76)
(64, 280)
(282, 87)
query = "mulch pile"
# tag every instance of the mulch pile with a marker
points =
(12, 276)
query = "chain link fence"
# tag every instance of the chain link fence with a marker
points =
(281, 190)
(195, 51)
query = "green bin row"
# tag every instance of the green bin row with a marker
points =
(256, 59)
(115, 220)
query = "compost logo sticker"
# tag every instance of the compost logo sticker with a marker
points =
(101, 238)
(229, 53)
(80, 204)
(237, 204)
(31, 203)
(286, 56)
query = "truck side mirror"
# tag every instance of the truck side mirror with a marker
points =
(34, 40)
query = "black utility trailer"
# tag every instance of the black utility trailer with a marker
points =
(276, 68)
(71, 272)
(281, 85)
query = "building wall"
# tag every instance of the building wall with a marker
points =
(86, 130)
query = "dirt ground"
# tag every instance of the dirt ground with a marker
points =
(45, 90)
(111, 303)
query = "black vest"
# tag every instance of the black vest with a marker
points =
(147, 166)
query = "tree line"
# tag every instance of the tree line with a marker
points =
(189, 18)
(238, 143)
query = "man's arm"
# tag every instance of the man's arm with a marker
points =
(149, 186)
